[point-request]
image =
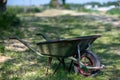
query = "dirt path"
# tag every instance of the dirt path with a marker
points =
(103, 18)
(58, 12)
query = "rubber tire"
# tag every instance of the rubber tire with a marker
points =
(95, 60)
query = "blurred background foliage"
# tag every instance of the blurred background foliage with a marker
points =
(114, 11)
(8, 21)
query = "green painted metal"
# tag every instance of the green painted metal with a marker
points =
(63, 49)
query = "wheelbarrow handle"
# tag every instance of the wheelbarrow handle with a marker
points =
(13, 37)
(17, 38)
(26, 44)
(44, 36)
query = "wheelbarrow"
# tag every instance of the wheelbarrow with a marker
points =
(82, 59)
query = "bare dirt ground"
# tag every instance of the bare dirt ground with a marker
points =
(4, 58)
(58, 12)
(118, 51)
(13, 45)
(99, 17)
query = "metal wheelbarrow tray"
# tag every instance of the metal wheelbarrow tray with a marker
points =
(65, 47)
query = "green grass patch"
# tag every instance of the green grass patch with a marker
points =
(28, 66)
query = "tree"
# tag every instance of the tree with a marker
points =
(54, 3)
(57, 3)
(63, 2)
(115, 3)
(3, 5)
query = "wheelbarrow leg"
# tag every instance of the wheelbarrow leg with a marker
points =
(70, 66)
(61, 61)
(48, 65)
(57, 68)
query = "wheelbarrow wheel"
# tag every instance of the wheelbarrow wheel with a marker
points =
(88, 59)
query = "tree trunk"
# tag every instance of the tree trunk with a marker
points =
(3, 5)
(63, 2)
(54, 3)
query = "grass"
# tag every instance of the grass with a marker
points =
(29, 66)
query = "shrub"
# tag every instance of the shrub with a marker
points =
(114, 11)
(1, 47)
(8, 19)
(8, 22)
(85, 10)
(16, 9)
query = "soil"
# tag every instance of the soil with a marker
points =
(4, 58)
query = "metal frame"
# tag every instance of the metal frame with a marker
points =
(60, 59)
